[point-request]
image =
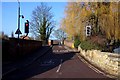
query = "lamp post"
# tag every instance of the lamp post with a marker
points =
(19, 19)
(18, 30)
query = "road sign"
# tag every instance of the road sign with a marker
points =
(18, 31)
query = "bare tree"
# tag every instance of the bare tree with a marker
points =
(60, 35)
(42, 23)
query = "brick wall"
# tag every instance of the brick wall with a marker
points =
(10, 48)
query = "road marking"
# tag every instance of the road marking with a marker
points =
(60, 46)
(92, 67)
(59, 66)
(67, 48)
(9, 71)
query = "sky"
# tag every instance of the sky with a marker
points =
(10, 14)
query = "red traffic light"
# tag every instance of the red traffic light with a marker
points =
(27, 26)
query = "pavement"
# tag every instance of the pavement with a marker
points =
(25, 61)
(57, 63)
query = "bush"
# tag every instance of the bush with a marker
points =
(76, 43)
(87, 45)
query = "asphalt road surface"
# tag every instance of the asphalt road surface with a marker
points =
(57, 63)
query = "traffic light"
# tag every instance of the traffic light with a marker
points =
(88, 30)
(27, 26)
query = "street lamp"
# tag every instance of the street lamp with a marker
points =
(18, 30)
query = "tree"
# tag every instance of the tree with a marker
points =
(68, 23)
(60, 34)
(102, 16)
(42, 23)
(74, 21)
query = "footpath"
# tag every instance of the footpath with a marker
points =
(25, 61)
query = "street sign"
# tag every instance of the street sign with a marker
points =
(18, 31)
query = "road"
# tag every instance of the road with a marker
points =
(57, 63)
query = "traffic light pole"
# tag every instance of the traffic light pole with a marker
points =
(25, 35)
(18, 19)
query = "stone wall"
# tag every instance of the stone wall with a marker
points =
(108, 62)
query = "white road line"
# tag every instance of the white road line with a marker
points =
(59, 66)
(10, 71)
(60, 46)
(93, 68)
(67, 48)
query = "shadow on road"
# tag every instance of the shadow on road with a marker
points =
(44, 64)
